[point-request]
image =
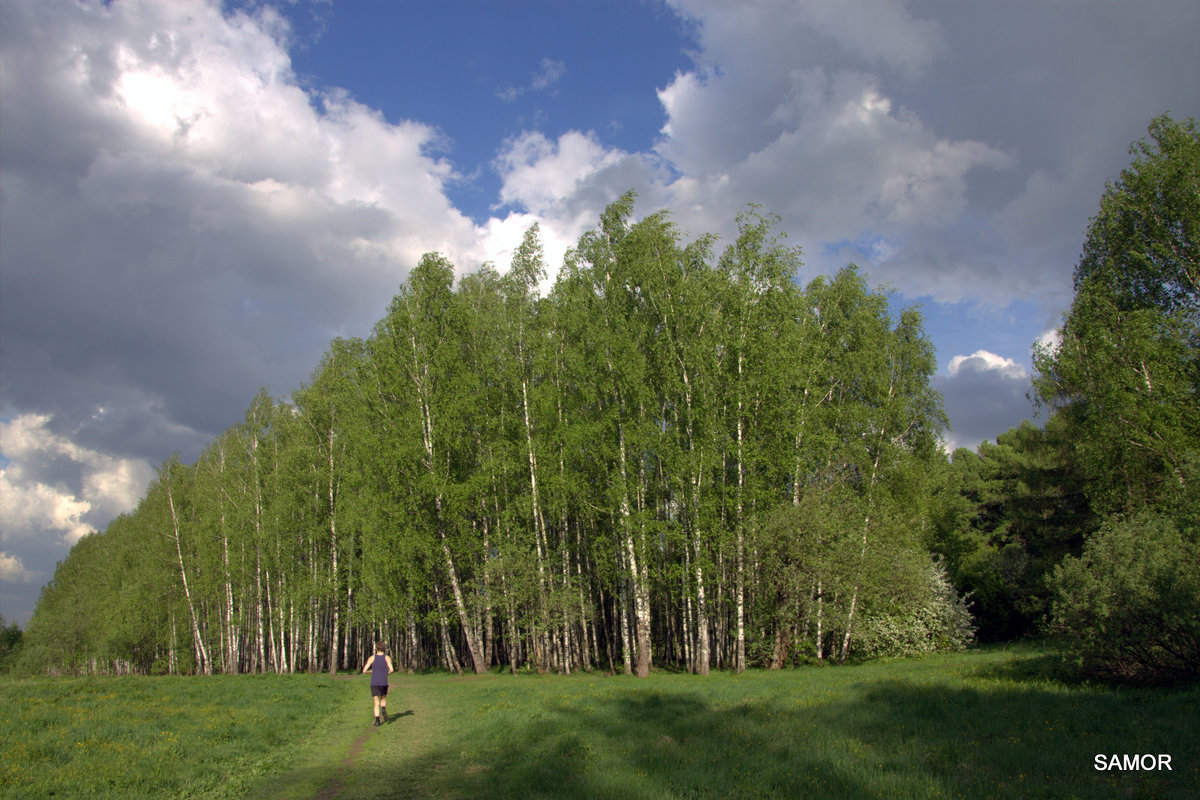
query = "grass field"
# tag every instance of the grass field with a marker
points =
(979, 724)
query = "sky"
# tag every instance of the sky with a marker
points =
(196, 197)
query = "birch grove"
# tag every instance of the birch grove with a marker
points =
(671, 458)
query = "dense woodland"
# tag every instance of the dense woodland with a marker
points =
(679, 458)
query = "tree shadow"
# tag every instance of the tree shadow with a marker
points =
(788, 736)
(897, 739)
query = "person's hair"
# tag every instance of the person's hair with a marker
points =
(380, 647)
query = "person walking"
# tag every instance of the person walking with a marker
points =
(380, 666)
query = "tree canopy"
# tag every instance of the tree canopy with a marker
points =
(680, 458)
(595, 478)
(1124, 385)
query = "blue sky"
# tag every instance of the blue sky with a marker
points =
(491, 70)
(196, 197)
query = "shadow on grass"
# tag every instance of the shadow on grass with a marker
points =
(787, 738)
(1043, 668)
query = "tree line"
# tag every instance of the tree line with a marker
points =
(678, 458)
(673, 458)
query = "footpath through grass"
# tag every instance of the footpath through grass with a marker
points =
(980, 724)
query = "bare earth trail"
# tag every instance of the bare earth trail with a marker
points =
(353, 756)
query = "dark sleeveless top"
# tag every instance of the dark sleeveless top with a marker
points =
(379, 671)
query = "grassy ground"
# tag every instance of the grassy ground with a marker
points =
(979, 724)
(132, 737)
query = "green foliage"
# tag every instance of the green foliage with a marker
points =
(10, 644)
(1123, 385)
(1126, 373)
(107, 602)
(1129, 606)
(1144, 244)
(551, 482)
(1003, 518)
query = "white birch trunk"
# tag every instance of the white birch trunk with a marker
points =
(739, 657)
(333, 558)
(202, 663)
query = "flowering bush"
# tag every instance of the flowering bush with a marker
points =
(939, 623)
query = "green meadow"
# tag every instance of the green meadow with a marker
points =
(989, 723)
(139, 736)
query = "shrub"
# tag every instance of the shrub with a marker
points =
(1129, 606)
(940, 623)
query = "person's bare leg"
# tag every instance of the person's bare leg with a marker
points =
(383, 708)
(376, 698)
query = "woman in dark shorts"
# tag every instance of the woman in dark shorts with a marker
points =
(380, 666)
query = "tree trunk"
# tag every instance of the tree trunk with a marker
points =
(202, 663)
(739, 658)
(637, 576)
(333, 567)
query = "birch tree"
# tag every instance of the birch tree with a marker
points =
(417, 344)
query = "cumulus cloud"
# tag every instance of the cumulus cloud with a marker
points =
(564, 184)
(51, 486)
(985, 394)
(982, 361)
(11, 569)
(174, 202)
(835, 115)
(32, 507)
(783, 109)
(792, 105)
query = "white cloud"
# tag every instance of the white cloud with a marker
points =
(984, 361)
(783, 110)
(940, 131)
(498, 239)
(52, 485)
(175, 201)
(539, 174)
(563, 185)
(31, 507)
(984, 395)
(768, 117)
(11, 569)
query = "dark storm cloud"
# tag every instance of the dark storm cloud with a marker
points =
(182, 224)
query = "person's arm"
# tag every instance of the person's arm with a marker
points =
(370, 661)
(389, 662)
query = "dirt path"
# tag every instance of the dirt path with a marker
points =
(405, 735)
(332, 789)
